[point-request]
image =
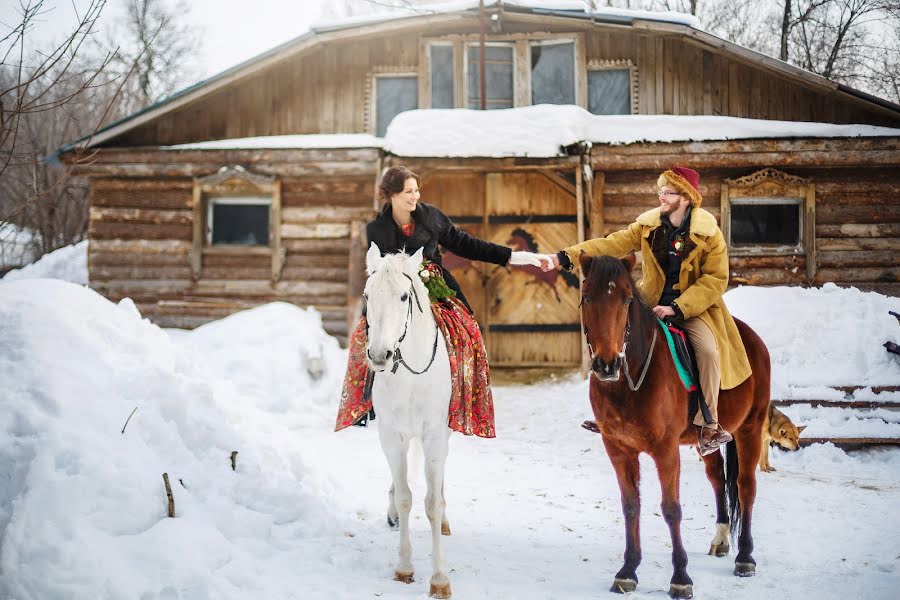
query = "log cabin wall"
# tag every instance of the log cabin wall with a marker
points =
(142, 234)
(855, 187)
(326, 87)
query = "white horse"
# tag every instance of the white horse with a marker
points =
(411, 396)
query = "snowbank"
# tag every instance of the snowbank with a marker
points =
(68, 264)
(83, 508)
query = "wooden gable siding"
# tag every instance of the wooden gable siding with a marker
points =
(325, 89)
(141, 239)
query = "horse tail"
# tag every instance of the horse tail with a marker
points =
(732, 469)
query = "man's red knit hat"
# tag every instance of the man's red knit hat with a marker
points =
(686, 181)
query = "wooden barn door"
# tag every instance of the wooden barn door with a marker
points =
(533, 317)
(529, 319)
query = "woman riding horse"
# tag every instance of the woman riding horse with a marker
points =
(405, 225)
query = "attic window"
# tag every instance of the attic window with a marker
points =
(553, 72)
(612, 88)
(499, 70)
(394, 94)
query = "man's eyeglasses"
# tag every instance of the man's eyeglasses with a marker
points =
(666, 193)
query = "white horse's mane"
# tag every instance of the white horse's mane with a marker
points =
(390, 273)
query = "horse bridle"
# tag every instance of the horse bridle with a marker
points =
(634, 387)
(397, 355)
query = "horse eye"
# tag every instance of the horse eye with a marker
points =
(365, 296)
(404, 297)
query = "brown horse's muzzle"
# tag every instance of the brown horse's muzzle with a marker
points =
(607, 371)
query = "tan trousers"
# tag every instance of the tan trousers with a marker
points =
(707, 353)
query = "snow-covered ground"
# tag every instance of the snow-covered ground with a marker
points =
(535, 512)
(68, 264)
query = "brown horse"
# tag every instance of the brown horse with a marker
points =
(651, 416)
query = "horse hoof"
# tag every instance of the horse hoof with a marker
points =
(445, 528)
(403, 577)
(743, 569)
(681, 591)
(393, 522)
(720, 550)
(439, 590)
(623, 586)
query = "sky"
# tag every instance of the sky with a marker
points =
(230, 33)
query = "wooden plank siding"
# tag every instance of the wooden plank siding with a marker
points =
(141, 239)
(325, 89)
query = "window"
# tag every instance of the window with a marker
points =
(236, 212)
(394, 94)
(441, 60)
(553, 72)
(499, 67)
(612, 88)
(242, 221)
(770, 213)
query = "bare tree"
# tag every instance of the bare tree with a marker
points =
(157, 47)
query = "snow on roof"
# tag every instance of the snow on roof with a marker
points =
(338, 140)
(544, 130)
(575, 7)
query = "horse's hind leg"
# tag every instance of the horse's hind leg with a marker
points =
(715, 472)
(395, 452)
(628, 472)
(668, 466)
(436, 447)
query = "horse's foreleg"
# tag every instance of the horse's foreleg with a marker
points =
(748, 447)
(395, 450)
(668, 466)
(715, 472)
(628, 472)
(393, 519)
(445, 524)
(436, 448)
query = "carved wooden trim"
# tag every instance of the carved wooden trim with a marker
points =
(228, 173)
(768, 174)
(621, 63)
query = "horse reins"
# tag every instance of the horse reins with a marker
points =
(398, 357)
(624, 357)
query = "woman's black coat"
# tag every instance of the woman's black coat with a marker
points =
(432, 228)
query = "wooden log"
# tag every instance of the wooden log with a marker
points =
(336, 261)
(315, 274)
(789, 262)
(767, 277)
(857, 199)
(161, 199)
(855, 404)
(860, 258)
(180, 169)
(855, 230)
(862, 274)
(318, 214)
(137, 215)
(317, 246)
(125, 259)
(136, 231)
(141, 272)
(838, 215)
(850, 443)
(104, 184)
(849, 244)
(140, 246)
(316, 230)
(221, 261)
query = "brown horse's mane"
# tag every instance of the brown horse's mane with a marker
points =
(604, 269)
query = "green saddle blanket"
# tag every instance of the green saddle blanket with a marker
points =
(687, 378)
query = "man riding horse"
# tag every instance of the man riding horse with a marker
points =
(684, 276)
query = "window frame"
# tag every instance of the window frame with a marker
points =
(234, 184)
(521, 57)
(494, 44)
(771, 186)
(616, 65)
(371, 107)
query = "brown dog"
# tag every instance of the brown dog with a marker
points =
(778, 428)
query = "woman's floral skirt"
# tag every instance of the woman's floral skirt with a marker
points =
(471, 409)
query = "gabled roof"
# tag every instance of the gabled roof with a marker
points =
(662, 22)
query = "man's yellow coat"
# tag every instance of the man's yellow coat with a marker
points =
(703, 279)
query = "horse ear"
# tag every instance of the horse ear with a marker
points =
(412, 263)
(629, 261)
(373, 257)
(585, 261)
